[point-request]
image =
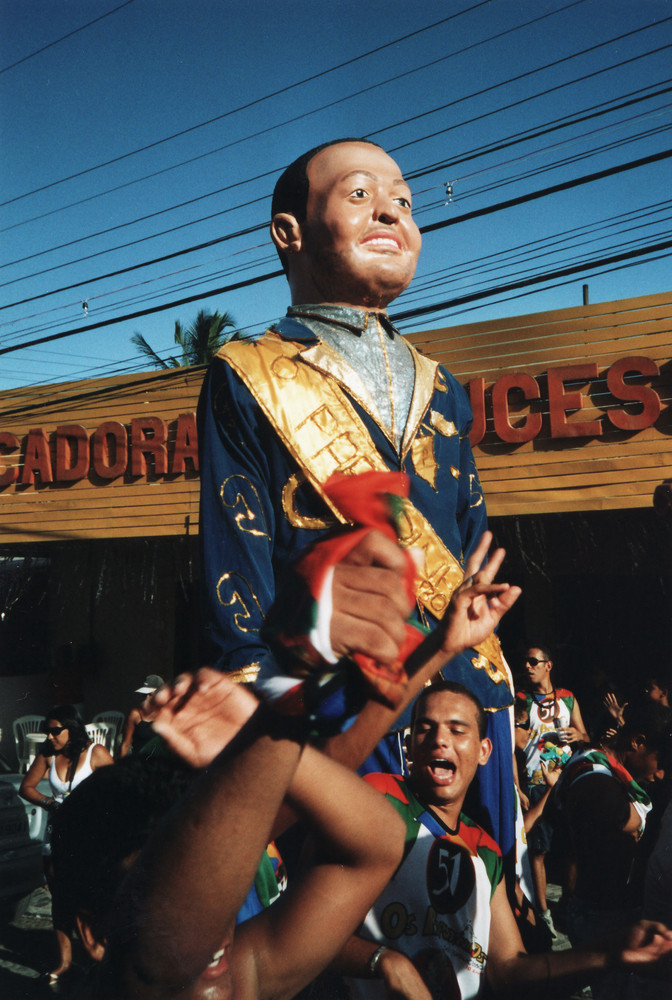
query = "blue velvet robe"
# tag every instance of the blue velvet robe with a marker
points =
(255, 520)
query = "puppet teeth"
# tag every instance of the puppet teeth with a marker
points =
(216, 958)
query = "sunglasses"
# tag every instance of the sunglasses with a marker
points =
(523, 725)
(533, 661)
(55, 730)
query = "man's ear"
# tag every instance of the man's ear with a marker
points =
(95, 948)
(486, 750)
(638, 742)
(286, 232)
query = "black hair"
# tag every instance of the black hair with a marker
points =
(291, 190)
(543, 647)
(454, 687)
(657, 679)
(104, 823)
(650, 720)
(520, 710)
(78, 738)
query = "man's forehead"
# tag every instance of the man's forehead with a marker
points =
(344, 159)
(448, 706)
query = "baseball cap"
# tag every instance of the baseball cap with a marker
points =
(150, 684)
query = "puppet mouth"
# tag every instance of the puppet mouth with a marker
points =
(382, 241)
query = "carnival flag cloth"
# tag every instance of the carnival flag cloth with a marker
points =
(297, 626)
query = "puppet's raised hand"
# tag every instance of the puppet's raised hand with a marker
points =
(199, 714)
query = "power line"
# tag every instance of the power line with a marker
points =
(289, 121)
(58, 41)
(250, 104)
(554, 189)
(534, 195)
(526, 282)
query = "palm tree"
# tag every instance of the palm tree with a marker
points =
(198, 343)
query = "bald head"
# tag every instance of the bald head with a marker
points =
(357, 243)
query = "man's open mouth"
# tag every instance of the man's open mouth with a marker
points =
(442, 770)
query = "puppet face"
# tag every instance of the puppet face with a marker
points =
(359, 244)
(446, 749)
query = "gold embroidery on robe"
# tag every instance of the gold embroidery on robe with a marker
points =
(229, 595)
(475, 495)
(244, 517)
(424, 462)
(295, 518)
(455, 472)
(482, 662)
(324, 434)
(245, 675)
(423, 390)
(440, 424)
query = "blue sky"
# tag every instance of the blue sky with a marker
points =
(132, 131)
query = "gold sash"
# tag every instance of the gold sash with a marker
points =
(324, 434)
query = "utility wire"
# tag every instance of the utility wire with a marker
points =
(289, 121)
(250, 104)
(526, 100)
(548, 127)
(554, 189)
(58, 41)
(611, 171)
(526, 282)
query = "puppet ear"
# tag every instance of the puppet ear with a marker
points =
(94, 947)
(286, 232)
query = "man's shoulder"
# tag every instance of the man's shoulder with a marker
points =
(389, 784)
(476, 838)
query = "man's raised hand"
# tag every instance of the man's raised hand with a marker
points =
(199, 714)
(478, 604)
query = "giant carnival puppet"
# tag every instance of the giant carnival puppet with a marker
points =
(334, 390)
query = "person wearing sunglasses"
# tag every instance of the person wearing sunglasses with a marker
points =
(66, 758)
(550, 710)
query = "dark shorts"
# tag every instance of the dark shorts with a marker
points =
(539, 837)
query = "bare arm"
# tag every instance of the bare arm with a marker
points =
(296, 938)
(401, 978)
(178, 904)
(512, 972)
(35, 773)
(131, 723)
(531, 816)
(100, 756)
(524, 800)
(472, 615)
(575, 732)
(186, 714)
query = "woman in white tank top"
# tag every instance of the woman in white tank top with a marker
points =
(66, 758)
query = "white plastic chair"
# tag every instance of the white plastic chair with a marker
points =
(99, 732)
(115, 720)
(25, 752)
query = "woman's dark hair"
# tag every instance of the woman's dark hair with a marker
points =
(70, 719)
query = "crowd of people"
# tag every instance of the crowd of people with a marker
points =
(350, 591)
